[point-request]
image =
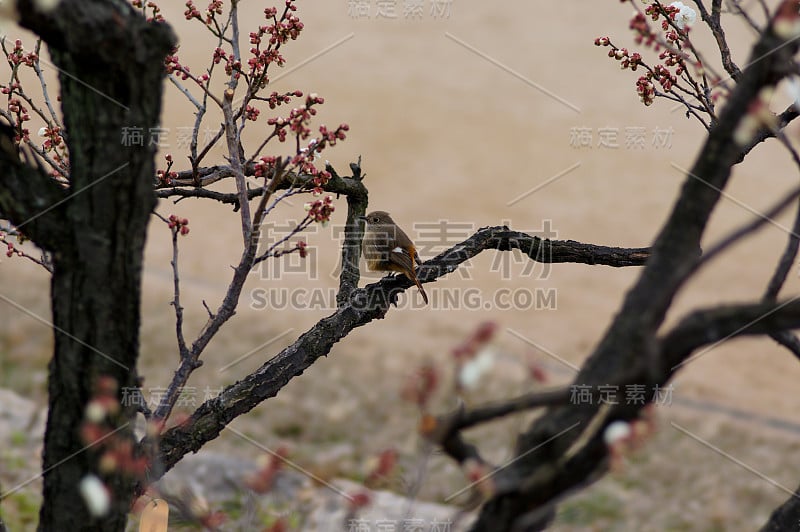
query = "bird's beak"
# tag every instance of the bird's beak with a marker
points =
(362, 218)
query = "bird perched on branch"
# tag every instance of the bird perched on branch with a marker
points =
(387, 248)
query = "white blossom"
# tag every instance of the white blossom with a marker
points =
(685, 17)
(95, 495)
(95, 412)
(472, 371)
(617, 431)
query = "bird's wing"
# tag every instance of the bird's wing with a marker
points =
(402, 258)
(373, 245)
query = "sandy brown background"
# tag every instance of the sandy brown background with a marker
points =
(455, 117)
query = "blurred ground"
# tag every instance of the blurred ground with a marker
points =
(467, 117)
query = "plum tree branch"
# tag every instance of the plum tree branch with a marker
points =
(446, 429)
(361, 307)
(628, 352)
(184, 187)
(190, 358)
(711, 326)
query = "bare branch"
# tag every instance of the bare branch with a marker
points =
(363, 306)
(714, 325)
(745, 230)
(786, 261)
(191, 360)
(712, 20)
(176, 300)
(446, 429)
(235, 156)
(628, 351)
(37, 67)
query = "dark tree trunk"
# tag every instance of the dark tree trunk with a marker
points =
(111, 75)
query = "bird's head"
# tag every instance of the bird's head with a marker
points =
(377, 218)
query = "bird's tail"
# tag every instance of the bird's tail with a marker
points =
(421, 290)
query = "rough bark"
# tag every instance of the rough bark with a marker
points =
(111, 73)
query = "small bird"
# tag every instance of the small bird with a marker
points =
(387, 248)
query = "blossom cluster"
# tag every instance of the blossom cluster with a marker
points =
(22, 109)
(180, 225)
(297, 123)
(280, 26)
(21, 115)
(276, 32)
(676, 22)
(155, 11)
(11, 250)
(167, 176)
(214, 8)
(18, 56)
(320, 210)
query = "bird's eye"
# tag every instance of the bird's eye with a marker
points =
(374, 219)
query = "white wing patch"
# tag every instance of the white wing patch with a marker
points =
(398, 249)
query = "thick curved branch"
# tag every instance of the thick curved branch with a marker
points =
(501, 238)
(558, 472)
(628, 351)
(445, 430)
(463, 419)
(363, 306)
(714, 325)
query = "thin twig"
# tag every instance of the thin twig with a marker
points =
(185, 90)
(176, 301)
(746, 229)
(307, 221)
(234, 143)
(45, 93)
